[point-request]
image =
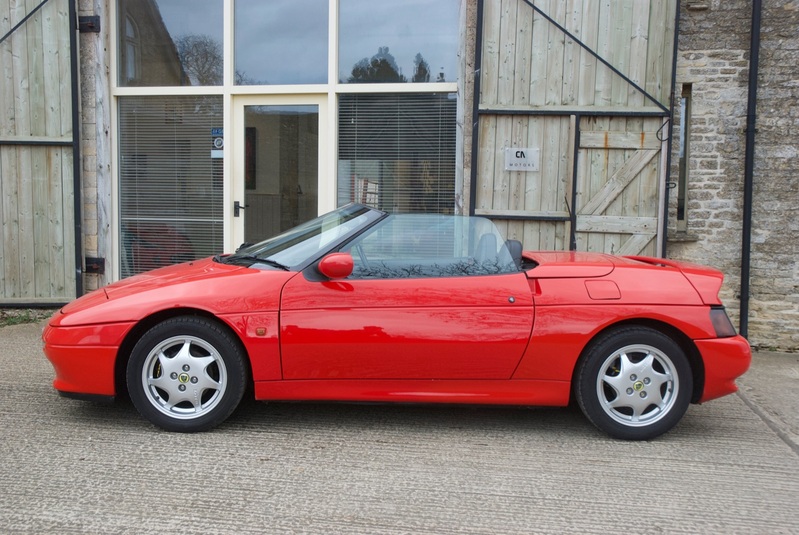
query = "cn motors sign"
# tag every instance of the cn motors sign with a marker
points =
(517, 159)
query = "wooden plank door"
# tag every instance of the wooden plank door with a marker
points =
(619, 184)
(529, 206)
(587, 85)
(37, 244)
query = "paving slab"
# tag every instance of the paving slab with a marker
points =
(771, 389)
(77, 467)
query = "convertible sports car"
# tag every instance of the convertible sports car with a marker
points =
(362, 305)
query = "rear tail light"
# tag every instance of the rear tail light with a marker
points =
(721, 322)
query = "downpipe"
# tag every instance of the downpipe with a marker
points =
(749, 166)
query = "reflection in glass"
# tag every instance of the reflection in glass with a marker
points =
(396, 152)
(132, 51)
(170, 180)
(170, 42)
(398, 42)
(281, 168)
(281, 42)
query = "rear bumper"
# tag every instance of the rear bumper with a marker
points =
(725, 360)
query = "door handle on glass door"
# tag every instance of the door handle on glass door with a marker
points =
(237, 207)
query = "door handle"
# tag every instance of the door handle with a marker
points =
(237, 207)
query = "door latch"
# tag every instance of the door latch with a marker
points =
(237, 207)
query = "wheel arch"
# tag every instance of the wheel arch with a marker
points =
(147, 323)
(685, 343)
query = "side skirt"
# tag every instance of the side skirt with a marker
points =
(476, 392)
(97, 398)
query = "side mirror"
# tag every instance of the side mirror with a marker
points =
(336, 266)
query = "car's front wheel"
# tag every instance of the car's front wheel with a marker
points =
(186, 374)
(634, 383)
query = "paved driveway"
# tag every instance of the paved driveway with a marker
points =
(731, 466)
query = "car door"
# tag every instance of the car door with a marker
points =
(418, 324)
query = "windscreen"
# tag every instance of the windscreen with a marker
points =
(298, 245)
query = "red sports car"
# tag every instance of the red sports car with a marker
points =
(362, 305)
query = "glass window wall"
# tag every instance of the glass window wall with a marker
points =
(397, 151)
(170, 180)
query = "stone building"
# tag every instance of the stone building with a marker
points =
(713, 66)
(206, 123)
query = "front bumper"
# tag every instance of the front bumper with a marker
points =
(84, 357)
(725, 360)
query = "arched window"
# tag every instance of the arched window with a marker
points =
(131, 52)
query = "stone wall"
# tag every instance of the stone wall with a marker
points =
(713, 57)
(774, 317)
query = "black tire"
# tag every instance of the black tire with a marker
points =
(187, 374)
(634, 383)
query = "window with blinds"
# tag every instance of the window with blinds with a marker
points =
(396, 152)
(170, 183)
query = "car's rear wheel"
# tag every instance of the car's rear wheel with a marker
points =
(186, 374)
(634, 383)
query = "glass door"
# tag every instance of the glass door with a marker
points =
(278, 154)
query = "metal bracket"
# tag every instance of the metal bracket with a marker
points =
(95, 265)
(89, 24)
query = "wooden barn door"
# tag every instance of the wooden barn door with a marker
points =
(37, 210)
(579, 90)
(619, 182)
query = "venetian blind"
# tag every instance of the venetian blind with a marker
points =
(397, 151)
(170, 185)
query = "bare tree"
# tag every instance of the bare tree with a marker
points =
(201, 57)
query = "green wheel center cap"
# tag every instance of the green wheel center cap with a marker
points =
(183, 378)
(638, 386)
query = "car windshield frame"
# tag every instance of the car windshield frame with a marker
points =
(301, 246)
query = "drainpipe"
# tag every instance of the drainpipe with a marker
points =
(674, 53)
(749, 166)
(76, 159)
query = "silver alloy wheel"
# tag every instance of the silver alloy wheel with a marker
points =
(637, 385)
(184, 377)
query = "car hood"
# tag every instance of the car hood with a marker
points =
(202, 284)
(171, 275)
